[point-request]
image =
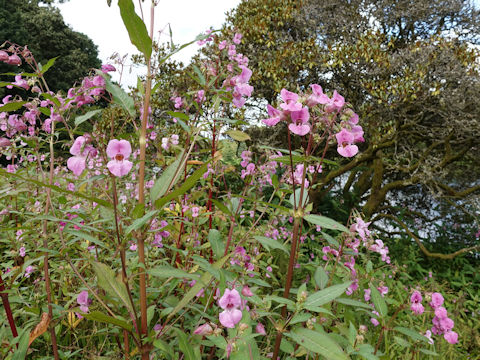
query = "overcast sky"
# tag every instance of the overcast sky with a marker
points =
(104, 26)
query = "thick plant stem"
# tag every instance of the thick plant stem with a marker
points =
(46, 275)
(141, 194)
(8, 310)
(288, 282)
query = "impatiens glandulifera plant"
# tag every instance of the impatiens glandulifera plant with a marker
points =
(163, 243)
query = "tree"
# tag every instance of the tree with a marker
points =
(43, 30)
(410, 71)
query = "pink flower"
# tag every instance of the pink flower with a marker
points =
(275, 116)
(21, 251)
(246, 291)
(428, 335)
(437, 300)
(441, 312)
(107, 68)
(374, 322)
(237, 38)
(345, 141)
(230, 302)
(28, 270)
(19, 82)
(317, 97)
(3, 56)
(14, 60)
(290, 101)
(299, 123)
(416, 303)
(77, 162)
(119, 151)
(451, 337)
(367, 294)
(260, 329)
(204, 329)
(195, 211)
(335, 103)
(82, 300)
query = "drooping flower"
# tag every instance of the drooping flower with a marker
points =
(335, 103)
(437, 300)
(345, 140)
(28, 270)
(300, 125)
(451, 337)
(317, 96)
(260, 329)
(22, 251)
(204, 329)
(416, 303)
(107, 68)
(275, 116)
(230, 302)
(290, 101)
(119, 151)
(77, 162)
(82, 300)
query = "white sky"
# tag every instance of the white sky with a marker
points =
(104, 26)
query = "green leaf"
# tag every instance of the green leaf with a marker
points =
(135, 27)
(325, 222)
(185, 346)
(165, 348)
(49, 64)
(355, 303)
(222, 207)
(21, 351)
(56, 188)
(12, 106)
(114, 286)
(411, 333)
(201, 77)
(401, 341)
(204, 280)
(167, 180)
(378, 301)
(269, 243)
(82, 118)
(85, 236)
(321, 277)
(428, 352)
(238, 135)
(187, 185)
(166, 272)
(318, 343)
(138, 223)
(216, 242)
(101, 317)
(120, 97)
(326, 295)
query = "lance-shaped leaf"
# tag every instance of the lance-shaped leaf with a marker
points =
(168, 178)
(325, 222)
(101, 317)
(120, 97)
(378, 301)
(82, 118)
(325, 296)
(319, 343)
(113, 285)
(137, 31)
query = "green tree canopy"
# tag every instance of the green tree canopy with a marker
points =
(411, 72)
(42, 29)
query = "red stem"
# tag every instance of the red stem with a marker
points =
(8, 310)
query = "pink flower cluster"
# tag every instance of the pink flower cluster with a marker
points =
(297, 115)
(442, 324)
(12, 59)
(80, 151)
(241, 258)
